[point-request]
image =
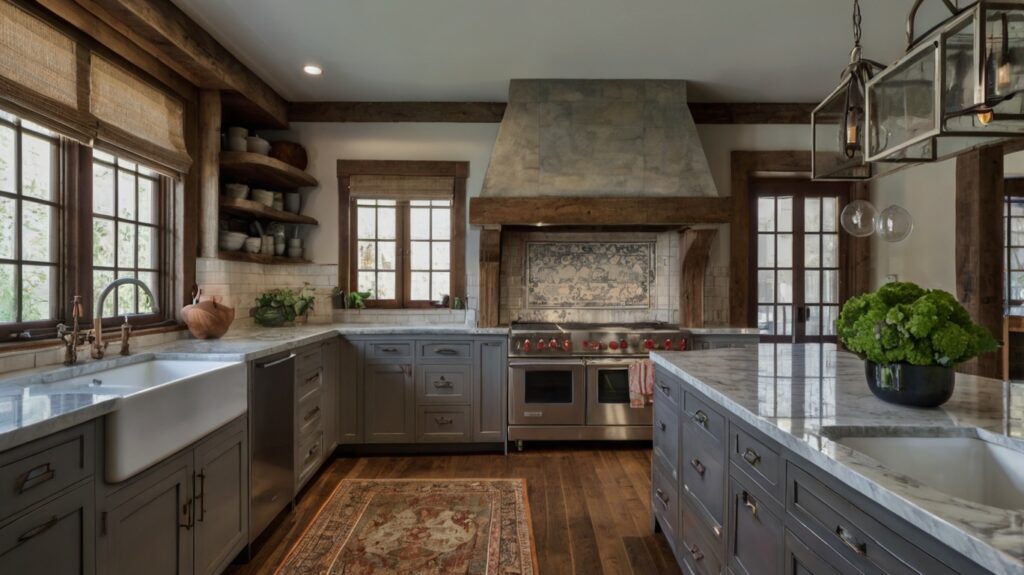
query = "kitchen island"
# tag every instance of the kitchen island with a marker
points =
(785, 417)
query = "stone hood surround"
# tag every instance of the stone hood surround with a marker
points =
(598, 138)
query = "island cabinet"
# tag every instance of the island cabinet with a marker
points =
(422, 389)
(729, 499)
(187, 514)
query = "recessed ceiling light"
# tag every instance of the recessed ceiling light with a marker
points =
(312, 69)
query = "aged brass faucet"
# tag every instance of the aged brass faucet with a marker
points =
(99, 346)
(73, 337)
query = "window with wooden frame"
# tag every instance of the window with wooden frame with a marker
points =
(1013, 239)
(403, 232)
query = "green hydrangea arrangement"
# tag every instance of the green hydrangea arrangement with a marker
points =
(904, 323)
(277, 306)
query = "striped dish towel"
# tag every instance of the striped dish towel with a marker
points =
(641, 383)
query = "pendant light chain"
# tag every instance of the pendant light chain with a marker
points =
(856, 23)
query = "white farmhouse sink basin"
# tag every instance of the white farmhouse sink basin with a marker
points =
(968, 468)
(166, 405)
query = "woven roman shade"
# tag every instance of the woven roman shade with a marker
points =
(137, 119)
(40, 76)
(401, 187)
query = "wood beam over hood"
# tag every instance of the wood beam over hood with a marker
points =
(599, 211)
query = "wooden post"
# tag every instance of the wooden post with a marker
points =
(209, 171)
(856, 253)
(979, 246)
(696, 248)
(490, 276)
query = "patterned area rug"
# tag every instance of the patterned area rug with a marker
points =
(422, 527)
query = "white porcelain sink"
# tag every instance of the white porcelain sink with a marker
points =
(965, 467)
(165, 405)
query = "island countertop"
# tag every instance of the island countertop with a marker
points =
(800, 395)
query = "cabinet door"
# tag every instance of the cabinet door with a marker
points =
(349, 378)
(489, 395)
(221, 501)
(390, 403)
(146, 527)
(54, 539)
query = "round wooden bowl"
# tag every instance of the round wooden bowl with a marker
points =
(208, 319)
(290, 153)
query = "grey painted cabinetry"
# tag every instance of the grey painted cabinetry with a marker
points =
(312, 397)
(47, 505)
(444, 389)
(731, 500)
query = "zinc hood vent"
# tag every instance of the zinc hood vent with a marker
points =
(600, 138)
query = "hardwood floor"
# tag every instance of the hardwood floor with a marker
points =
(590, 507)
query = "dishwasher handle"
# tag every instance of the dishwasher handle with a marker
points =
(289, 357)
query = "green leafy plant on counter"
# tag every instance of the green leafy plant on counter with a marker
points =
(905, 323)
(355, 299)
(277, 306)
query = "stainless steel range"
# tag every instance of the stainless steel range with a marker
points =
(571, 381)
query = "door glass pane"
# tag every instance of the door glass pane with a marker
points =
(829, 214)
(812, 286)
(785, 286)
(419, 224)
(785, 217)
(766, 286)
(830, 250)
(785, 319)
(830, 286)
(766, 319)
(548, 386)
(828, 319)
(785, 250)
(766, 214)
(812, 251)
(766, 250)
(813, 325)
(613, 385)
(812, 215)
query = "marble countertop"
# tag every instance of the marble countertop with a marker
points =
(800, 395)
(38, 402)
(723, 330)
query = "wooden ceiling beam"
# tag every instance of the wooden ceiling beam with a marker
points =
(168, 33)
(751, 113)
(591, 211)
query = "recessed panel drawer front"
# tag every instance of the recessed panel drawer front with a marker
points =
(701, 555)
(309, 382)
(309, 359)
(757, 532)
(32, 472)
(860, 539)
(666, 439)
(388, 350)
(447, 351)
(800, 560)
(762, 463)
(443, 424)
(310, 454)
(667, 389)
(310, 414)
(444, 384)
(711, 423)
(665, 503)
(703, 471)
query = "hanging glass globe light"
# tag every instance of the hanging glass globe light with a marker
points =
(859, 218)
(895, 224)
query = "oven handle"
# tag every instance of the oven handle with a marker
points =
(544, 362)
(620, 361)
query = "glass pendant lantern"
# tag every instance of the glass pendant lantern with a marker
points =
(956, 88)
(838, 123)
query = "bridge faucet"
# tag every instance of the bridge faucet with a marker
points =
(72, 337)
(99, 346)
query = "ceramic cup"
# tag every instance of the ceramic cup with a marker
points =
(294, 243)
(295, 252)
(257, 145)
(237, 144)
(268, 245)
(252, 245)
(293, 203)
(237, 132)
(279, 249)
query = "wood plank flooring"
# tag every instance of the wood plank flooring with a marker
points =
(590, 506)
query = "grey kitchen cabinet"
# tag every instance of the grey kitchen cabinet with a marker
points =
(312, 396)
(349, 415)
(490, 383)
(55, 538)
(390, 402)
(221, 495)
(720, 340)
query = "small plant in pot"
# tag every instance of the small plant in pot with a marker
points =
(911, 339)
(276, 307)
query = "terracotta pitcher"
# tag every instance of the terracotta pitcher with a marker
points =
(208, 319)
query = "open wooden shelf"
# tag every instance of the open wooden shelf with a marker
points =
(262, 171)
(260, 258)
(253, 209)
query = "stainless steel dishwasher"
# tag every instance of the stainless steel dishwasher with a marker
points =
(271, 471)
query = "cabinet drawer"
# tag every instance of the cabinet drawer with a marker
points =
(448, 351)
(310, 454)
(800, 560)
(667, 389)
(32, 472)
(699, 553)
(666, 439)
(309, 383)
(54, 538)
(309, 359)
(309, 416)
(703, 474)
(386, 350)
(863, 541)
(665, 503)
(447, 384)
(762, 463)
(443, 424)
(707, 420)
(756, 534)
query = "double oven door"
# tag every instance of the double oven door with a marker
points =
(573, 392)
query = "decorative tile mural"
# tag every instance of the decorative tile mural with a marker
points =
(614, 275)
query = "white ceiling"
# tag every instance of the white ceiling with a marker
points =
(465, 50)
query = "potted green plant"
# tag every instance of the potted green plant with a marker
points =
(911, 339)
(355, 299)
(337, 298)
(276, 307)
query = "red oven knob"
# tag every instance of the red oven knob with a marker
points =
(553, 344)
(526, 345)
(540, 344)
(623, 344)
(682, 344)
(648, 344)
(668, 344)
(567, 345)
(613, 344)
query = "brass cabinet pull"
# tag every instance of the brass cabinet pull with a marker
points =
(666, 389)
(38, 529)
(34, 477)
(858, 547)
(312, 413)
(696, 553)
(312, 451)
(442, 383)
(389, 349)
(186, 510)
(661, 495)
(201, 498)
(440, 420)
(751, 504)
(701, 418)
(313, 379)
(751, 456)
(696, 464)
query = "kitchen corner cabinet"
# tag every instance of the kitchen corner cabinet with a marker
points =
(781, 515)
(187, 514)
(349, 415)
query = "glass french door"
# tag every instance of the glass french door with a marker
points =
(799, 260)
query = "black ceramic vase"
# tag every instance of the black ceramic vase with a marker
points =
(914, 385)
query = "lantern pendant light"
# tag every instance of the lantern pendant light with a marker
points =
(838, 124)
(956, 88)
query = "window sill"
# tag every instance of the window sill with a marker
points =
(53, 342)
(406, 316)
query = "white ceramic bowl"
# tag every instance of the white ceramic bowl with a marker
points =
(237, 191)
(264, 197)
(257, 145)
(237, 144)
(231, 241)
(253, 245)
(237, 132)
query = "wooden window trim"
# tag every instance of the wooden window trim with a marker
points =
(1013, 192)
(347, 274)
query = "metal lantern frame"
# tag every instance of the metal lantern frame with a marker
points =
(856, 166)
(924, 146)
